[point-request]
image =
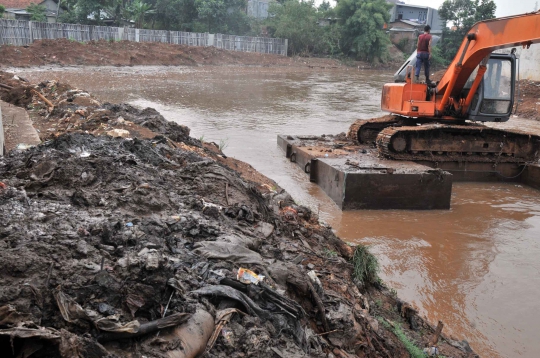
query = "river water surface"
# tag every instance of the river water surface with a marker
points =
(476, 266)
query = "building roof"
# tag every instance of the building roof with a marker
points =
(19, 4)
(18, 11)
(402, 5)
(410, 22)
(407, 24)
(401, 29)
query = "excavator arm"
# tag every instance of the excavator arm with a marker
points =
(482, 39)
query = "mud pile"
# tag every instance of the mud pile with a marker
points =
(150, 246)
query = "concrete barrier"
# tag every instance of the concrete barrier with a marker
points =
(17, 128)
(529, 63)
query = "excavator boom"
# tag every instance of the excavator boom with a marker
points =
(484, 38)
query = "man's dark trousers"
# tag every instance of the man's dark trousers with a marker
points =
(422, 58)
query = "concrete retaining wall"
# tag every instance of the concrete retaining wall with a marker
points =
(529, 66)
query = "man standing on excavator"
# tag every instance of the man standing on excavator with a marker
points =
(423, 53)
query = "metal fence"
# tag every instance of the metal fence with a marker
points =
(250, 44)
(21, 33)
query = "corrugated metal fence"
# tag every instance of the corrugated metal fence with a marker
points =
(251, 44)
(21, 33)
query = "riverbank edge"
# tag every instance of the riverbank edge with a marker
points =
(64, 52)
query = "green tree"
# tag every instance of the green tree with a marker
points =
(362, 22)
(211, 12)
(37, 12)
(330, 41)
(296, 21)
(117, 10)
(324, 6)
(461, 15)
(236, 22)
(485, 10)
(2, 10)
(139, 10)
(86, 11)
(225, 16)
(178, 15)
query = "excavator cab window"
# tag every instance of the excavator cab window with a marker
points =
(497, 87)
(493, 100)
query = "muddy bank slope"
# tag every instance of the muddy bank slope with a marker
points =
(123, 236)
(64, 52)
(127, 53)
(528, 97)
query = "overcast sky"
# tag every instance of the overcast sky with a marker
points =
(504, 7)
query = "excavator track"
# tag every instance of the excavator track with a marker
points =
(365, 131)
(443, 142)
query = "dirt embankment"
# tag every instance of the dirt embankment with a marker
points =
(122, 236)
(65, 52)
(528, 98)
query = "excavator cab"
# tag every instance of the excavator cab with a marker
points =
(494, 98)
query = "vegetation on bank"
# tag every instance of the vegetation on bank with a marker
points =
(353, 29)
(411, 347)
(37, 12)
(366, 266)
(356, 28)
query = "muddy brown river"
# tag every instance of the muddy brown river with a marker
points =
(476, 267)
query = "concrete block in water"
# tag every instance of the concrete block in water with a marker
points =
(356, 178)
(394, 185)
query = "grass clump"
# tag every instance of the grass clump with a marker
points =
(330, 253)
(223, 143)
(412, 348)
(365, 265)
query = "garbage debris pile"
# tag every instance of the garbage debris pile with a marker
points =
(61, 109)
(130, 247)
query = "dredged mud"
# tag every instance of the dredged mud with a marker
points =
(104, 236)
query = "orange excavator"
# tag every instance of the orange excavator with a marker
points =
(438, 122)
